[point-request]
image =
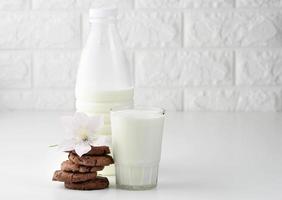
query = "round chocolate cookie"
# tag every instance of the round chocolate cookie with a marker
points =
(63, 176)
(94, 184)
(91, 161)
(70, 166)
(97, 151)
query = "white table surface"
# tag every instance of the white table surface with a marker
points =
(205, 156)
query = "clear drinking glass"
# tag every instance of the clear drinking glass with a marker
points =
(137, 138)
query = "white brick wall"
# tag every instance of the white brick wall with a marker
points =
(188, 55)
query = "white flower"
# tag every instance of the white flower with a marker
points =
(83, 132)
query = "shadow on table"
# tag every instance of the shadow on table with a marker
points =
(187, 179)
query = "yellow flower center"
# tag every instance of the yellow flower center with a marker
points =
(83, 134)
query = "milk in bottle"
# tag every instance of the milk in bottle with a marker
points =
(104, 78)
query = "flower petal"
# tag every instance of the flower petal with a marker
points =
(82, 148)
(95, 123)
(81, 119)
(67, 123)
(102, 140)
(67, 145)
(92, 137)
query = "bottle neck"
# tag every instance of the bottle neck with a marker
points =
(104, 20)
(102, 24)
(103, 31)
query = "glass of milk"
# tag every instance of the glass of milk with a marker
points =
(137, 138)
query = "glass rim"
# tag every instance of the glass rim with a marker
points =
(158, 110)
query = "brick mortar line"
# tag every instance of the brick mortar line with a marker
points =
(30, 4)
(32, 71)
(182, 30)
(208, 87)
(133, 57)
(149, 10)
(147, 49)
(234, 67)
(143, 10)
(202, 48)
(182, 100)
(81, 32)
(258, 9)
(57, 10)
(39, 50)
(74, 12)
(149, 88)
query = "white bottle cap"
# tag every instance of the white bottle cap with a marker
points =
(102, 12)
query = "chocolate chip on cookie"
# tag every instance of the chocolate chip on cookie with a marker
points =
(97, 151)
(63, 176)
(70, 166)
(94, 184)
(91, 160)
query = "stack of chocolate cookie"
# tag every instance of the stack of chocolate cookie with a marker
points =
(80, 173)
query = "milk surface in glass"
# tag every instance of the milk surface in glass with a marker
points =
(137, 138)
